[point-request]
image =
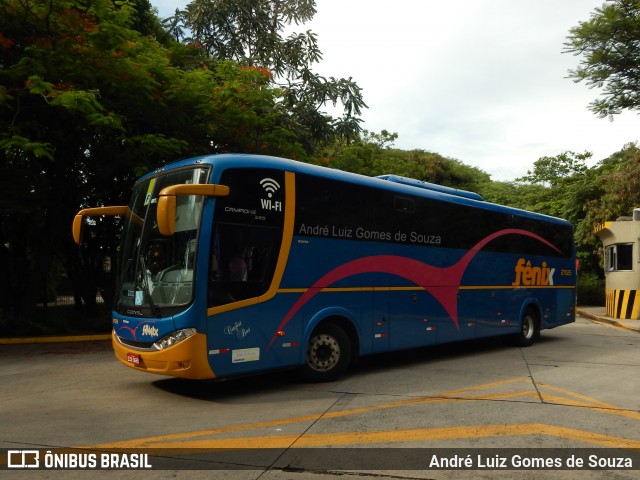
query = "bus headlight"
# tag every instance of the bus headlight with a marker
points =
(174, 338)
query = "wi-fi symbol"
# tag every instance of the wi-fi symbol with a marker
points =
(269, 185)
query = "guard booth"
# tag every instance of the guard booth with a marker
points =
(621, 242)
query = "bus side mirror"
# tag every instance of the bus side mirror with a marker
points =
(167, 203)
(94, 212)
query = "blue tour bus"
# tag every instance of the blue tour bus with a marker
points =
(235, 264)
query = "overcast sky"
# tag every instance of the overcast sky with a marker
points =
(481, 81)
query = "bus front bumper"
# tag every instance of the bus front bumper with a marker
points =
(187, 359)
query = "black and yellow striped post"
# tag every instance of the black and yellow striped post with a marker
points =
(623, 304)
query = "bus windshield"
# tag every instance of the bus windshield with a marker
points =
(156, 271)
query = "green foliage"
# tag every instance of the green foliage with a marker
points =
(610, 55)
(93, 94)
(556, 178)
(253, 34)
(612, 191)
(513, 194)
(561, 186)
(564, 186)
(590, 289)
(87, 103)
(619, 181)
(553, 171)
(250, 33)
(373, 154)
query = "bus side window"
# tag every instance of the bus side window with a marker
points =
(404, 204)
(242, 262)
(240, 265)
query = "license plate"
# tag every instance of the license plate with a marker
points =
(133, 358)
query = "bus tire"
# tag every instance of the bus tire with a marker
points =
(328, 354)
(529, 329)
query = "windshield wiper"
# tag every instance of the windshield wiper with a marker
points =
(120, 283)
(146, 290)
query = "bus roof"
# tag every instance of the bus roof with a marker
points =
(395, 183)
(431, 186)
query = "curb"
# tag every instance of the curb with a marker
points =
(609, 320)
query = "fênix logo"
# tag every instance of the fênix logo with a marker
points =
(149, 330)
(529, 275)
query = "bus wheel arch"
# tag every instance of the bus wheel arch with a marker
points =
(530, 326)
(329, 350)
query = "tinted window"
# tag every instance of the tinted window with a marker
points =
(243, 261)
(334, 209)
(246, 235)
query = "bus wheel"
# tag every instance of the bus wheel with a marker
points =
(529, 329)
(328, 354)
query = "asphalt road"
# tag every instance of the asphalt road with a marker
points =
(575, 392)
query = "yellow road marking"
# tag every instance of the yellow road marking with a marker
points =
(388, 436)
(190, 439)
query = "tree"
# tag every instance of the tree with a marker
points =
(513, 194)
(563, 186)
(87, 103)
(373, 154)
(251, 32)
(362, 156)
(618, 178)
(552, 171)
(554, 177)
(609, 44)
